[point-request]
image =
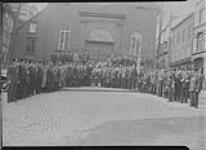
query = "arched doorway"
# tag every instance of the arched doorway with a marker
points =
(99, 43)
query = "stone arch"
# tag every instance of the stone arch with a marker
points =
(100, 35)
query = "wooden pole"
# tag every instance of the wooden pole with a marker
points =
(170, 38)
(160, 34)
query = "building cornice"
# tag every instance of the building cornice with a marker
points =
(117, 23)
(200, 52)
(148, 8)
(203, 24)
(102, 15)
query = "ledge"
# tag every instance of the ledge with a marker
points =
(101, 15)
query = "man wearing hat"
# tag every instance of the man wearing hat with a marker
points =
(194, 89)
(178, 86)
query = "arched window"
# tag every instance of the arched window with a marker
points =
(200, 41)
(135, 43)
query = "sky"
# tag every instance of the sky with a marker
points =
(181, 9)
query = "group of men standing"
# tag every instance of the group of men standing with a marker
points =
(29, 78)
(114, 76)
(179, 85)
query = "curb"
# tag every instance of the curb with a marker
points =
(96, 90)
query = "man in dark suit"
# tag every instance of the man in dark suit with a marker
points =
(185, 87)
(12, 75)
(194, 89)
(178, 86)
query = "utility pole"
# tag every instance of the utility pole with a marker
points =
(160, 33)
(170, 38)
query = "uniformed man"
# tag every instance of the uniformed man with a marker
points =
(185, 87)
(13, 78)
(178, 86)
(194, 85)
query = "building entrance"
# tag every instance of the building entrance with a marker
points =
(99, 43)
(99, 50)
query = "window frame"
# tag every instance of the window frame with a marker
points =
(30, 41)
(33, 23)
(64, 32)
(200, 41)
(183, 35)
(201, 15)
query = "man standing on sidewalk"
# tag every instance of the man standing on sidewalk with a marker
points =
(194, 89)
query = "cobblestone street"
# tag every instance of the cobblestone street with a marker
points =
(102, 118)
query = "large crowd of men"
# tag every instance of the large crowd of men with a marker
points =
(29, 78)
(178, 85)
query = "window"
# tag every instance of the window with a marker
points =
(135, 43)
(201, 15)
(183, 35)
(64, 39)
(200, 41)
(189, 31)
(178, 38)
(173, 40)
(33, 27)
(30, 44)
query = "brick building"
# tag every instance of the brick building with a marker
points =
(117, 28)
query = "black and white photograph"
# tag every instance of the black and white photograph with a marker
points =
(103, 74)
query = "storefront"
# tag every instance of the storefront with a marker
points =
(182, 64)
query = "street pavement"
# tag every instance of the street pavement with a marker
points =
(68, 118)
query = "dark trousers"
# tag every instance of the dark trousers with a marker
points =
(20, 91)
(178, 94)
(154, 89)
(12, 91)
(133, 82)
(170, 94)
(160, 90)
(194, 99)
(185, 93)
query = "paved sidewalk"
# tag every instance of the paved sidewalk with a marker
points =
(71, 118)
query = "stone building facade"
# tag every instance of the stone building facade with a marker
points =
(182, 43)
(101, 30)
(199, 47)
